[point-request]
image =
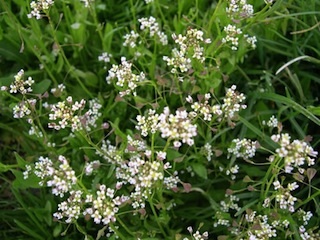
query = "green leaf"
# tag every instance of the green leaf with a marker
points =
(42, 86)
(289, 102)
(48, 209)
(89, 78)
(21, 162)
(20, 183)
(200, 170)
(57, 230)
(314, 110)
(5, 168)
(28, 230)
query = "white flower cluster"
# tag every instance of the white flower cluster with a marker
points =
(207, 148)
(142, 174)
(130, 39)
(21, 85)
(272, 122)
(89, 119)
(239, 9)
(232, 35)
(171, 182)
(283, 195)
(126, 79)
(71, 208)
(104, 206)
(34, 130)
(24, 108)
(251, 40)
(68, 113)
(57, 92)
(232, 103)
(109, 153)
(243, 148)
(150, 24)
(189, 47)
(265, 229)
(135, 145)
(202, 108)
(91, 166)
(39, 6)
(230, 203)
(105, 57)
(65, 112)
(304, 216)
(101, 207)
(226, 206)
(197, 235)
(60, 178)
(177, 127)
(295, 153)
(148, 1)
(232, 171)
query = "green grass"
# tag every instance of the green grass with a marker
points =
(278, 78)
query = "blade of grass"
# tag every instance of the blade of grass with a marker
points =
(289, 102)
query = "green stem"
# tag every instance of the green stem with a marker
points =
(156, 216)
(124, 226)
(66, 60)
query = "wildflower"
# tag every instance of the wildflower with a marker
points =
(58, 90)
(131, 39)
(233, 171)
(251, 40)
(177, 127)
(272, 122)
(21, 85)
(208, 151)
(71, 208)
(232, 103)
(104, 206)
(105, 57)
(34, 130)
(67, 113)
(295, 153)
(189, 47)
(142, 175)
(244, 148)
(239, 9)
(171, 182)
(284, 197)
(39, 6)
(230, 203)
(60, 178)
(203, 109)
(126, 79)
(90, 167)
(232, 35)
(196, 235)
(304, 216)
(24, 108)
(150, 25)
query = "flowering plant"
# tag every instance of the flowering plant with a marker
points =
(139, 120)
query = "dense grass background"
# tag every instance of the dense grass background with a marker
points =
(67, 44)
